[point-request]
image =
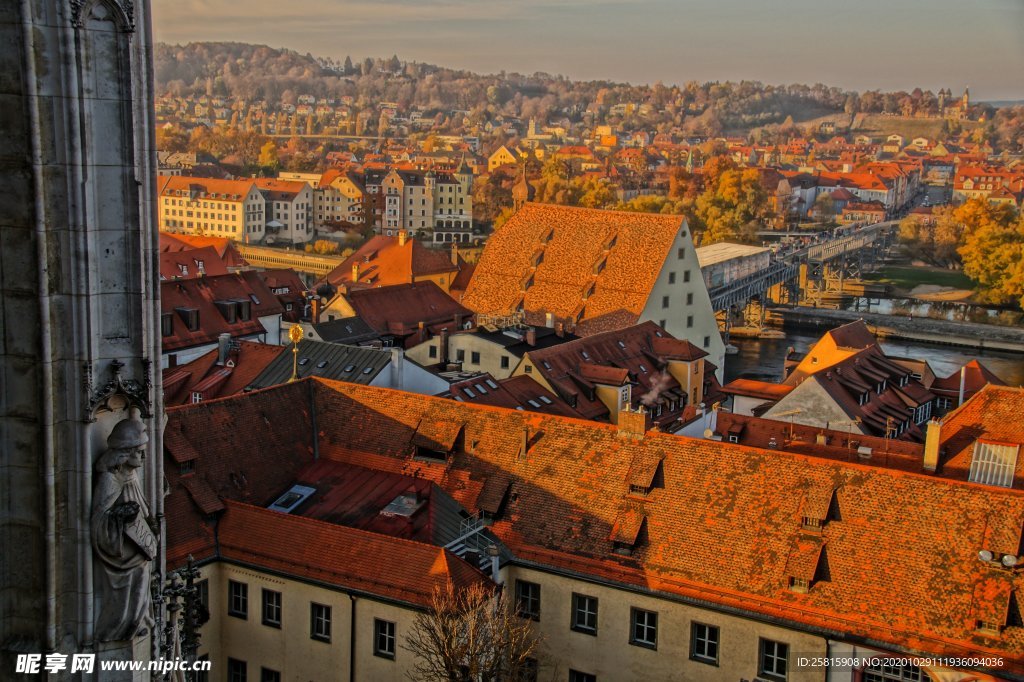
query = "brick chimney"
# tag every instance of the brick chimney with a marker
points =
(632, 423)
(455, 253)
(931, 445)
(355, 272)
(402, 237)
(531, 336)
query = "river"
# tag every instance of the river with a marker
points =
(764, 358)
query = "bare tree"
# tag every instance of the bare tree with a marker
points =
(472, 635)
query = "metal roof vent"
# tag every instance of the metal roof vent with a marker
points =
(295, 496)
(405, 505)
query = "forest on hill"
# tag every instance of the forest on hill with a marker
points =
(239, 71)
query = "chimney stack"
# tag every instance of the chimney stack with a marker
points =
(401, 237)
(355, 272)
(455, 253)
(223, 346)
(397, 367)
(524, 444)
(315, 309)
(931, 445)
(632, 424)
(531, 336)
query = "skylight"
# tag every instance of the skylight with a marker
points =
(491, 384)
(993, 463)
(469, 391)
(533, 403)
(303, 361)
(546, 400)
(295, 496)
(349, 368)
(368, 370)
(481, 389)
(321, 364)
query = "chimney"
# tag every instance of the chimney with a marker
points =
(931, 445)
(632, 424)
(559, 329)
(963, 380)
(455, 253)
(355, 272)
(315, 305)
(401, 237)
(524, 444)
(223, 346)
(495, 554)
(531, 336)
(397, 368)
(442, 342)
(458, 321)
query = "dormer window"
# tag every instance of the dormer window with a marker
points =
(811, 523)
(993, 463)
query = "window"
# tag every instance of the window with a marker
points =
(644, 629)
(460, 355)
(704, 643)
(528, 599)
(993, 463)
(197, 397)
(188, 467)
(584, 614)
(203, 594)
(166, 324)
(671, 278)
(474, 358)
(686, 275)
(320, 622)
(383, 638)
(268, 675)
(236, 670)
(689, 298)
(689, 321)
(707, 341)
(504, 362)
(772, 659)
(238, 599)
(432, 351)
(681, 253)
(272, 608)
(664, 301)
(577, 676)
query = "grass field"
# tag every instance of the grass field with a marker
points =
(906, 277)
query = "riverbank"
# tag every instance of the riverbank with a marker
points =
(923, 330)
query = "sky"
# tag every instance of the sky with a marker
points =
(852, 44)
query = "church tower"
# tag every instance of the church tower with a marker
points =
(82, 508)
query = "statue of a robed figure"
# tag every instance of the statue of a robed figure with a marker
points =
(122, 537)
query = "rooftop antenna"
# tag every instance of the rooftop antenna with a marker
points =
(790, 414)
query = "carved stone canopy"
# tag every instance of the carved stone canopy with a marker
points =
(118, 393)
(121, 12)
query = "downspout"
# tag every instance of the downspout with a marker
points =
(46, 339)
(352, 640)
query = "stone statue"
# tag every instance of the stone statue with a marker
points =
(122, 538)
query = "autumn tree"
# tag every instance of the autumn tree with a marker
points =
(471, 634)
(268, 156)
(993, 251)
(731, 207)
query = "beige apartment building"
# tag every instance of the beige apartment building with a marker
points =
(289, 210)
(639, 555)
(235, 209)
(338, 196)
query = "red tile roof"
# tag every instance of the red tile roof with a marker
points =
(354, 559)
(577, 264)
(383, 262)
(400, 309)
(721, 527)
(995, 414)
(976, 376)
(226, 251)
(186, 264)
(202, 295)
(248, 360)
(757, 389)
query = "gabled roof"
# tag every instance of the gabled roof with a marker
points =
(247, 360)
(636, 355)
(203, 295)
(577, 264)
(382, 261)
(187, 264)
(358, 364)
(994, 414)
(975, 375)
(516, 393)
(226, 251)
(401, 309)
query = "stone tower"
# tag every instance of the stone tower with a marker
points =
(80, 329)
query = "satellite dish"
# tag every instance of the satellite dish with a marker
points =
(709, 434)
(1009, 560)
(985, 555)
